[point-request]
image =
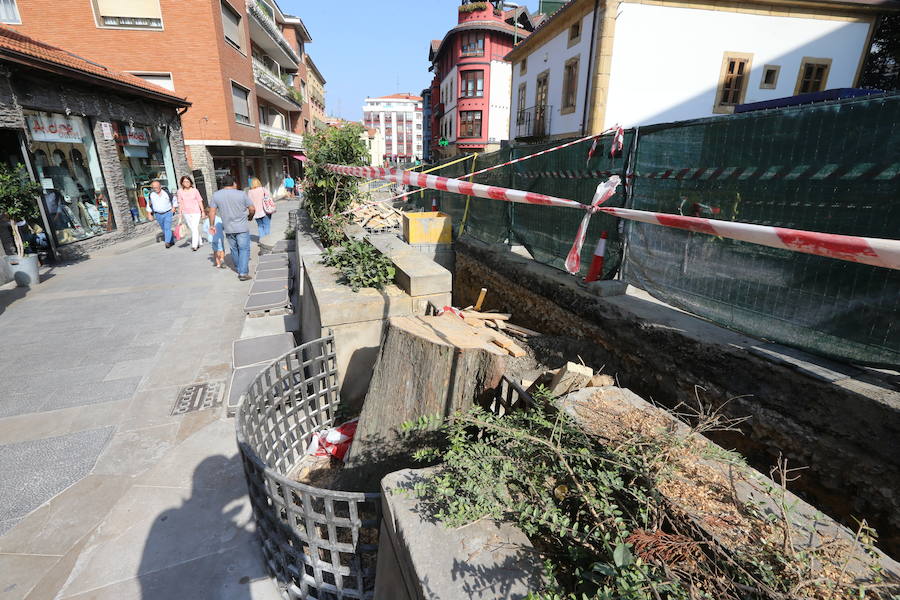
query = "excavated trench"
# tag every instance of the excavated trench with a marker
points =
(841, 432)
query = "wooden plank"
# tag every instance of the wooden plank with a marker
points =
(486, 315)
(480, 300)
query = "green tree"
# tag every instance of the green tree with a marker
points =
(882, 67)
(328, 193)
(17, 200)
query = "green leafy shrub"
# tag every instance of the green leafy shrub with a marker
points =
(18, 199)
(361, 264)
(592, 507)
(330, 229)
(330, 193)
(472, 7)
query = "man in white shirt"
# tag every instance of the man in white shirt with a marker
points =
(161, 202)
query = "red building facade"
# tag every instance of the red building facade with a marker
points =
(470, 91)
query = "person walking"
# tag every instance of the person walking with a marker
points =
(217, 241)
(289, 185)
(260, 197)
(161, 203)
(190, 204)
(235, 208)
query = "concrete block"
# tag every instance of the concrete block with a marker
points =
(240, 381)
(605, 288)
(420, 558)
(420, 303)
(267, 301)
(418, 275)
(338, 304)
(269, 285)
(269, 325)
(261, 350)
(263, 273)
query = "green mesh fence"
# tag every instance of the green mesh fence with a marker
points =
(831, 167)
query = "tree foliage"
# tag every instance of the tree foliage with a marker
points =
(326, 192)
(882, 67)
(361, 264)
(18, 199)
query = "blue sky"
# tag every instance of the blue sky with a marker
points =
(373, 48)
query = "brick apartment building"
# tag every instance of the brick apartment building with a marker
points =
(470, 92)
(239, 62)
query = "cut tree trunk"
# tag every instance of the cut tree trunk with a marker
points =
(428, 366)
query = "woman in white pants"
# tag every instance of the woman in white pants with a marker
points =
(190, 203)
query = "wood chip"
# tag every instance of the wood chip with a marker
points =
(480, 300)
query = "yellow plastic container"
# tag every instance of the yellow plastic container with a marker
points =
(427, 228)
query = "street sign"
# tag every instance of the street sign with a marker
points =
(443, 142)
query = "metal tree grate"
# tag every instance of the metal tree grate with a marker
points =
(199, 396)
(318, 543)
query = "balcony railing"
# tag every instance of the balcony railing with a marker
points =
(273, 82)
(533, 122)
(271, 28)
(274, 137)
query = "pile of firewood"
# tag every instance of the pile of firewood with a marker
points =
(376, 216)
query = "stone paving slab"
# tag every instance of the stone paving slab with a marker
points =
(272, 285)
(279, 273)
(36, 470)
(261, 350)
(267, 301)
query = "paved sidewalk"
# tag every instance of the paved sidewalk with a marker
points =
(104, 493)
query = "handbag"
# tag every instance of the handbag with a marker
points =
(268, 204)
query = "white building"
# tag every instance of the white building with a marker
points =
(637, 62)
(398, 118)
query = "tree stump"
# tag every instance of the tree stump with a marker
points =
(427, 366)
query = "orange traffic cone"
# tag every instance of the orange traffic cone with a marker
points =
(434, 205)
(596, 270)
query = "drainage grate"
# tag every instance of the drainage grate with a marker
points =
(199, 396)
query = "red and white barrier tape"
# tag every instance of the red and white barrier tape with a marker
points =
(492, 167)
(871, 251)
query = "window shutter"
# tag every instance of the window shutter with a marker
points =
(147, 9)
(231, 22)
(241, 102)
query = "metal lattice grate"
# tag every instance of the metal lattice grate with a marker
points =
(199, 396)
(318, 543)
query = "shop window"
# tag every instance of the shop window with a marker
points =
(471, 84)
(470, 123)
(128, 14)
(68, 169)
(769, 78)
(240, 97)
(813, 75)
(144, 155)
(472, 43)
(231, 23)
(570, 86)
(9, 12)
(732, 81)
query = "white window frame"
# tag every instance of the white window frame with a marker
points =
(15, 7)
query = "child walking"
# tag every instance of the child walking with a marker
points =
(216, 242)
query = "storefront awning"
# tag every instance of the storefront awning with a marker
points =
(300, 157)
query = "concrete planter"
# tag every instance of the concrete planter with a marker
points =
(24, 269)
